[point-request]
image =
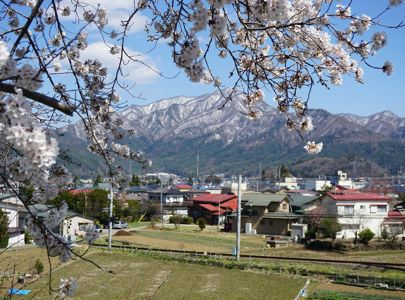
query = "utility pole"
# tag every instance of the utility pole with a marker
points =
(161, 201)
(238, 218)
(219, 212)
(111, 198)
(198, 163)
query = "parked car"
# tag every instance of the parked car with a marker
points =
(120, 225)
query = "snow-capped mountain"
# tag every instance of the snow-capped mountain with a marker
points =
(172, 129)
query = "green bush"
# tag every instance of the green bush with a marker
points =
(201, 223)
(27, 237)
(325, 245)
(329, 227)
(366, 236)
(39, 267)
(176, 220)
(3, 229)
(187, 220)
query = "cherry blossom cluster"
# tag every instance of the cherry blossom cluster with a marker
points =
(38, 52)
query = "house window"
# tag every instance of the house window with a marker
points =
(83, 226)
(378, 209)
(346, 209)
(270, 222)
(284, 206)
(261, 222)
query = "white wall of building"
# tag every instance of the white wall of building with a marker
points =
(316, 184)
(75, 226)
(16, 240)
(358, 215)
(289, 183)
(12, 216)
(174, 199)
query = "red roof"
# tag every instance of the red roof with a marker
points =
(357, 196)
(80, 191)
(231, 204)
(395, 214)
(184, 186)
(214, 198)
(212, 208)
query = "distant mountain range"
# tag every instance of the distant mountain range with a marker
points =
(172, 131)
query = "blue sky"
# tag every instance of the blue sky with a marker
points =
(378, 93)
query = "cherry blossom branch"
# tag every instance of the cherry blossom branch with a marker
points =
(38, 97)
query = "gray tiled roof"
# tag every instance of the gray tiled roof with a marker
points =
(280, 215)
(262, 199)
(299, 200)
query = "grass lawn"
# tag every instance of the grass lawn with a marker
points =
(138, 224)
(330, 291)
(141, 277)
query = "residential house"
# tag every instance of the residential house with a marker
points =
(299, 202)
(356, 211)
(167, 201)
(137, 193)
(15, 227)
(268, 213)
(394, 224)
(71, 227)
(317, 184)
(288, 183)
(212, 207)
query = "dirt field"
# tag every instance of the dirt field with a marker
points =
(147, 278)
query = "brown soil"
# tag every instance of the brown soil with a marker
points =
(122, 233)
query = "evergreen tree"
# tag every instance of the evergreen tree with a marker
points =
(135, 181)
(98, 180)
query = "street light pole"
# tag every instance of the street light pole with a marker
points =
(111, 197)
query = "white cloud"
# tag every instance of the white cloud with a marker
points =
(115, 17)
(118, 10)
(134, 72)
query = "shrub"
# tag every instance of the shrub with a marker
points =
(365, 236)
(153, 222)
(39, 267)
(176, 220)
(201, 223)
(187, 220)
(27, 237)
(384, 234)
(3, 229)
(329, 227)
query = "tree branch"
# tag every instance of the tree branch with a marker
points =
(38, 97)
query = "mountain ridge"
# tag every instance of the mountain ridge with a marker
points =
(188, 124)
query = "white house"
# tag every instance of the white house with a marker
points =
(75, 225)
(344, 181)
(356, 211)
(288, 183)
(15, 231)
(317, 184)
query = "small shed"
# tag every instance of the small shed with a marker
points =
(76, 225)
